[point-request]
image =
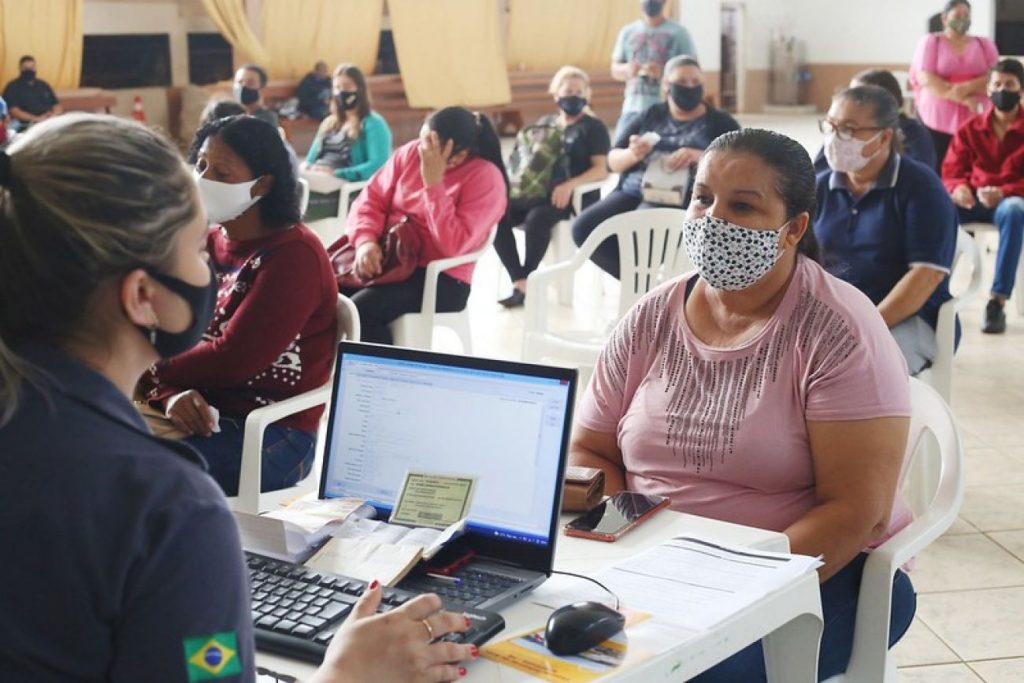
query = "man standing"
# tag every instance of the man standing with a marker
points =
(29, 98)
(640, 54)
(249, 83)
(314, 92)
(984, 172)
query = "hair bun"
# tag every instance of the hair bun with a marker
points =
(5, 169)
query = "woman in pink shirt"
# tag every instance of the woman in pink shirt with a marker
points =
(451, 185)
(760, 390)
(950, 75)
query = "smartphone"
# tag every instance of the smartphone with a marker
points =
(615, 516)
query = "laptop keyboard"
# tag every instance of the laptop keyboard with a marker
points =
(465, 589)
(296, 610)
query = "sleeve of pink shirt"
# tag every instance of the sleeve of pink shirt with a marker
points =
(864, 381)
(366, 221)
(925, 56)
(991, 52)
(458, 225)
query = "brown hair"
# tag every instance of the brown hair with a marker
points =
(336, 120)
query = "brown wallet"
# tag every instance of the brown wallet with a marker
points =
(584, 488)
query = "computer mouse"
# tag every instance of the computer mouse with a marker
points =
(580, 626)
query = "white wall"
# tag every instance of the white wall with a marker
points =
(834, 31)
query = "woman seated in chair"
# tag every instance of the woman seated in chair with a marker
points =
(450, 185)
(885, 222)
(582, 144)
(656, 155)
(759, 389)
(274, 323)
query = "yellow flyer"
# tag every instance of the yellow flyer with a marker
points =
(528, 652)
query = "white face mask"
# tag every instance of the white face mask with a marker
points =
(225, 201)
(847, 156)
(729, 256)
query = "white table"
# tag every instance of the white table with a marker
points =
(789, 620)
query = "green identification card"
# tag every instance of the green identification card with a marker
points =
(433, 500)
(211, 657)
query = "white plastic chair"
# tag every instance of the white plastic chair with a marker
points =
(940, 375)
(562, 245)
(249, 498)
(330, 229)
(1018, 287)
(870, 661)
(303, 197)
(651, 251)
(416, 330)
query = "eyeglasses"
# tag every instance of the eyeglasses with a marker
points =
(842, 130)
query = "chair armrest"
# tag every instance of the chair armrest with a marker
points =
(537, 282)
(438, 266)
(256, 423)
(583, 189)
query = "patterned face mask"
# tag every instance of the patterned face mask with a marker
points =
(729, 256)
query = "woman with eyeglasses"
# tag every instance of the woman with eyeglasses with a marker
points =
(884, 221)
(123, 561)
(949, 74)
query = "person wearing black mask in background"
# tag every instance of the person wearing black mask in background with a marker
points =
(585, 144)
(684, 126)
(984, 172)
(641, 51)
(250, 80)
(314, 92)
(29, 98)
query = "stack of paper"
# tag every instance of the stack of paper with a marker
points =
(296, 531)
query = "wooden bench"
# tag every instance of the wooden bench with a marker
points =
(93, 100)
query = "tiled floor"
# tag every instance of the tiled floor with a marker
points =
(970, 620)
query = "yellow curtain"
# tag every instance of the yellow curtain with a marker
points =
(450, 52)
(50, 31)
(297, 33)
(545, 34)
(229, 15)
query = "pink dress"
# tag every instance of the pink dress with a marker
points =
(722, 431)
(935, 55)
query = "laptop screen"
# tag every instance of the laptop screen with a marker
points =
(506, 424)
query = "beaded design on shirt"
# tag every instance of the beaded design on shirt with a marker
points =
(708, 398)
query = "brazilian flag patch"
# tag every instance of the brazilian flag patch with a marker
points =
(211, 657)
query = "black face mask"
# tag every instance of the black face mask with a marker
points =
(246, 96)
(652, 8)
(347, 100)
(28, 75)
(200, 299)
(687, 97)
(572, 105)
(1006, 100)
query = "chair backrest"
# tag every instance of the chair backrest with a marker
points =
(651, 250)
(967, 254)
(303, 196)
(348, 320)
(933, 467)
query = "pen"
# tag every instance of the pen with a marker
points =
(450, 579)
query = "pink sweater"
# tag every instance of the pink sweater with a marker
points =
(454, 216)
(722, 432)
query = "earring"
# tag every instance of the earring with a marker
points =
(152, 334)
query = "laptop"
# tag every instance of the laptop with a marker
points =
(395, 410)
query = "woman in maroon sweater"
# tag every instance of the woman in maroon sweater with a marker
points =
(273, 330)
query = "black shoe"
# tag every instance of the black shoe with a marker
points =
(995, 318)
(514, 300)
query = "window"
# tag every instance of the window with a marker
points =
(126, 61)
(210, 59)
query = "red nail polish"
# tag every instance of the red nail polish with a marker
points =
(468, 622)
(474, 651)
(462, 671)
(373, 586)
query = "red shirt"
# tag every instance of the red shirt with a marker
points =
(977, 158)
(273, 331)
(454, 217)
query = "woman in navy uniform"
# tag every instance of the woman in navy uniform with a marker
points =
(121, 559)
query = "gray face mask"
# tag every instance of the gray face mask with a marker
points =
(959, 25)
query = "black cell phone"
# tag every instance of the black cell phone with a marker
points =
(615, 516)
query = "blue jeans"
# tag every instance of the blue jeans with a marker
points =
(839, 609)
(287, 455)
(1009, 218)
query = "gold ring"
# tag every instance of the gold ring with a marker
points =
(430, 631)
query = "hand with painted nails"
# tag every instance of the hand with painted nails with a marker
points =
(396, 646)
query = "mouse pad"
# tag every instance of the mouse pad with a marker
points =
(528, 652)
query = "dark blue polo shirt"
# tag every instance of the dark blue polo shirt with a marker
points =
(121, 560)
(907, 219)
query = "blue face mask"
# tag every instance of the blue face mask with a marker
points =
(572, 105)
